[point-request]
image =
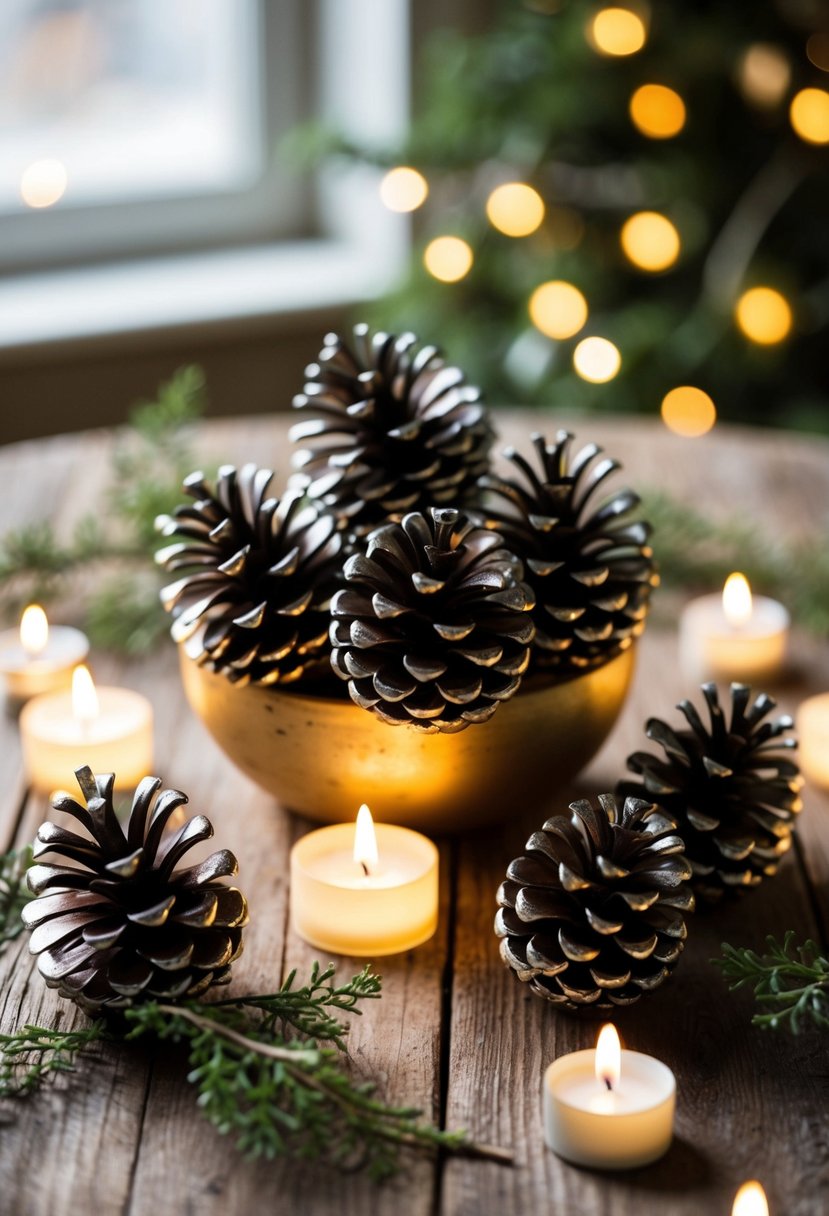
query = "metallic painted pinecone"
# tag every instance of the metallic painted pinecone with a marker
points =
(591, 567)
(125, 924)
(259, 575)
(731, 788)
(390, 428)
(434, 626)
(593, 914)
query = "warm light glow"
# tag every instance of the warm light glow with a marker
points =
(688, 411)
(617, 31)
(809, 114)
(448, 258)
(403, 189)
(750, 1200)
(365, 840)
(817, 49)
(558, 309)
(34, 630)
(596, 359)
(736, 600)
(84, 696)
(764, 315)
(764, 74)
(608, 1056)
(657, 111)
(43, 183)
(515, 209)
(650, 241)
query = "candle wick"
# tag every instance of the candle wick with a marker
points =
(608, 1083)
(365, 869)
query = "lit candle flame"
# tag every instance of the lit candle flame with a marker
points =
(750, 1200)
(608, 1056)
(365, 840)
(736, 600)
(34, 631)
(84, 697)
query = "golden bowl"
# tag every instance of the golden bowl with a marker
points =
(322, 756)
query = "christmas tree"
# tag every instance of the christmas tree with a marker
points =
(624, 208)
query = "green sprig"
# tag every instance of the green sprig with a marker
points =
(790, 982)
(269, 1070)
(13, 893)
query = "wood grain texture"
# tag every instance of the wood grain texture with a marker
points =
(455, 1033)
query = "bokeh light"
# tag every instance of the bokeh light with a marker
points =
(809, 114)
(688, 411)
(764, 315)
(617, 31)
(558, 309)
(657, 111)
(43, 183)
(817, 49)
(596, 360)
(448, 258)
(650, 241)
(403, 189)
(515, 209)
(764, 74)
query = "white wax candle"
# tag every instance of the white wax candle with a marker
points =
(627, 1126)
(384, 907)
(733, 636)
(117, 739)
(813, 734)
(39, 657)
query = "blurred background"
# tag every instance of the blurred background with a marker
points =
(595, 206)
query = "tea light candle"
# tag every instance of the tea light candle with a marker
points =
(736, 636)
(38, 658)
(609, 1109)
(813, 734)
(750, 1200)
(108, 729)
(365, 889)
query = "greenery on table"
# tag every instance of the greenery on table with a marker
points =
(530, 100)
(269, 1070)
(13, 893)
(790, 982)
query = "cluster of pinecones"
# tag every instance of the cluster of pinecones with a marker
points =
(446, 582)
(593, 914)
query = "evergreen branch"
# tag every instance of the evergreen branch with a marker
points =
(790, 983)
(34, 1053)
(262, 1075)
(14, 893)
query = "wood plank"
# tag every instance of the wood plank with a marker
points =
(748, 1103)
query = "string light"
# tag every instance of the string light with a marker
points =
(657, 111)
(448, 258)
(617, 31)
(558, 309)
(43, 183)
(404, 189)
(764, 74)
(688, 411)
(515, 209)
(596, 360)
(809, 114)
(764, 315)
(650, 241)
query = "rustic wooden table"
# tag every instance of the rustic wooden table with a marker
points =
(454, 1032)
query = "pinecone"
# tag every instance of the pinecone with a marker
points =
(391, 429)
(733, 792)
(593, 915)
(591, 568)
(125, 925)
(434, 626)
(253, 603)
